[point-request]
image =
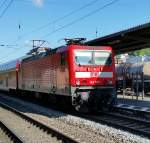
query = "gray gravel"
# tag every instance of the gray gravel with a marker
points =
(84, 130)
(27, 132)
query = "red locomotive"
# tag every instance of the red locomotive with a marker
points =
(83, 75)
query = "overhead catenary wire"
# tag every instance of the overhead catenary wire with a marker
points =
(6, 8)
(3, 3)
(75, 21)
(15, 50)
(81, 18)
(58, 19)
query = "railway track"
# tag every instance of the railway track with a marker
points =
(117, 120)
(131, 124)
(49, 131)
(13, 137)
(137, 110)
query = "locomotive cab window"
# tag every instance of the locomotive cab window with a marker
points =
(102, 58)
(62, 59)
(90, 57)
(83, 57)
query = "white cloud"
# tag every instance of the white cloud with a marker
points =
(38, 3)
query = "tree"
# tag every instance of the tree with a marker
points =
(142, 52)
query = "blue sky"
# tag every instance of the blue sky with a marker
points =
(84, 17)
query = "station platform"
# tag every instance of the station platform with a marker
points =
(134, 104)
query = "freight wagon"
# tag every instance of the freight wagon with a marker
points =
(135, 75)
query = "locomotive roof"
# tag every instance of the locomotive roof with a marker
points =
(11, 65)
(44, 54)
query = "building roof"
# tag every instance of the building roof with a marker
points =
(135, 38)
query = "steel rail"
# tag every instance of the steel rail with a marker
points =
(133, 125)
(135, 110)
(10, 133)
(49, 130)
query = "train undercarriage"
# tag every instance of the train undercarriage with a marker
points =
(83, 99)
(94, 99)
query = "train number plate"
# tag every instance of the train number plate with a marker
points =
(94, 74)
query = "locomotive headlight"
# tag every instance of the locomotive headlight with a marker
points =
(77, 82)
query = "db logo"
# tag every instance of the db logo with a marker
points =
(94, 74)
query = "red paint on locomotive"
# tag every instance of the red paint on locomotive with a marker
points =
(84, 74)
(91, 73)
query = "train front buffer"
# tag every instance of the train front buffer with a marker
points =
(92, 77)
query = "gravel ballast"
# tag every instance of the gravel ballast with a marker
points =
(4, 138)
(79, 128)
(26, 131)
